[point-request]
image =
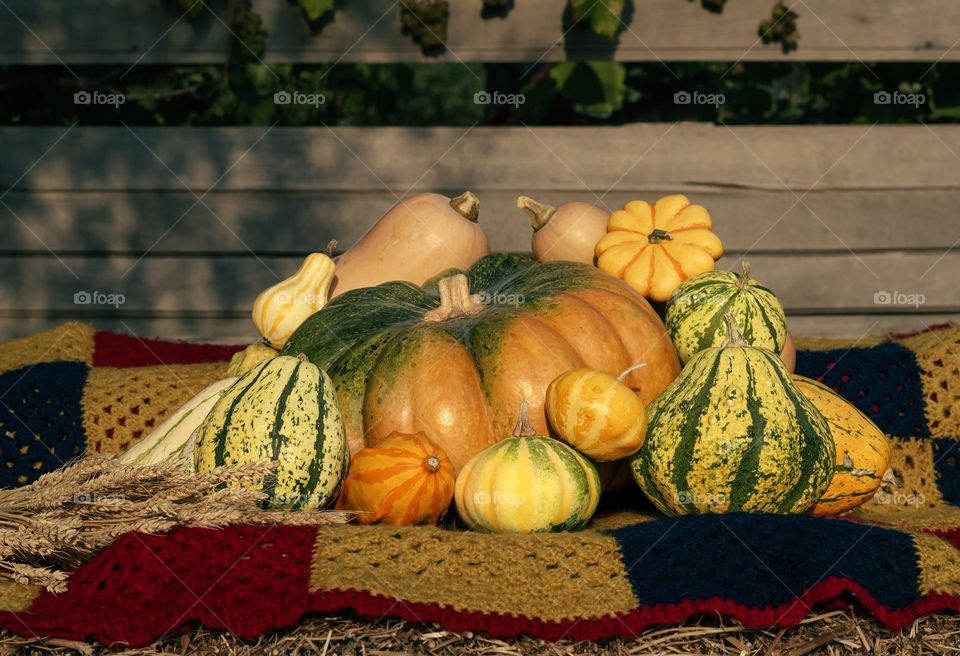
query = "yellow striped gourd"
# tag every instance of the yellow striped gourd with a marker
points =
(597, 413)
(283, 410)
(863, 450)
(279, 310)
(527, 483)
(694, 314)
(734, 433)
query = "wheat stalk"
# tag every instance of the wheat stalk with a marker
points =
(66, 516)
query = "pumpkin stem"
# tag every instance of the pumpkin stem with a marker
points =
(467, 205)
(744, 281)
(540, 213)
(524, 428)
(658, 235)
(328, 251)
(455, 300)
(626, 372)
(734, 336)
(432, 463)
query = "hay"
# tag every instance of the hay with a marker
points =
(832, 633)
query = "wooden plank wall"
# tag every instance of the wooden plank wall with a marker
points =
(96, 31)
(190, 224)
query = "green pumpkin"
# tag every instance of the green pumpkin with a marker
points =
(283, 410)
(694, 314)
(734, 433)
(455, 358)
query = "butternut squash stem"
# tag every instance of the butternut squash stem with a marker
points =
(626, 372)
(467, 205)
(744, 280)
(734, 336)
(432, 463)
(455, 300)
(659, 235)
(540, 213)
(328, 251)
(524, 428)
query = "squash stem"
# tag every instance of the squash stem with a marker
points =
(432, 463)
(626, 372)
(658, 235)
(744, 280)
(455, 300)
(467, 205)
(540, 213)
(328, 251)
(524, 428)
(734, 336)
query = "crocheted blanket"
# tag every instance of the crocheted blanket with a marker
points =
(74, 390)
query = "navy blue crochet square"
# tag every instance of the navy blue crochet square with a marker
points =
(946, 462)
(883, 381)
(41, 422)
(764, 560)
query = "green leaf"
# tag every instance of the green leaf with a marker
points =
(603, 16)
(595, 88)
(315, 9)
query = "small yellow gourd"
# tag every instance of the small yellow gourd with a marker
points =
(280, 309)
(654, 248)
(527, 483)
(245, 360)
(597, 414)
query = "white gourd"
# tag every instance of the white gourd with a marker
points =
(170, 439)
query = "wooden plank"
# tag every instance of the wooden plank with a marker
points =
(278, 223)
(91, 31)
(806, 284)
(635, 157)
(239, 329)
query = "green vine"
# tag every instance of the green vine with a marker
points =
(426, 23)
(781, 28)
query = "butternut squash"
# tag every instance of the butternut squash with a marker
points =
(568, 232)
(415, 240)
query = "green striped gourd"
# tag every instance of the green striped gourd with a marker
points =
(694, 314)
(734, 433)
(527, 483)
(174, 437)
(285, 410)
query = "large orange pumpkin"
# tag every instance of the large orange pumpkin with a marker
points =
(455, 358)
(405, 480)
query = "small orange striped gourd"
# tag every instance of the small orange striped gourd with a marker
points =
(597, 414)
(279, 310)
(406, 479)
